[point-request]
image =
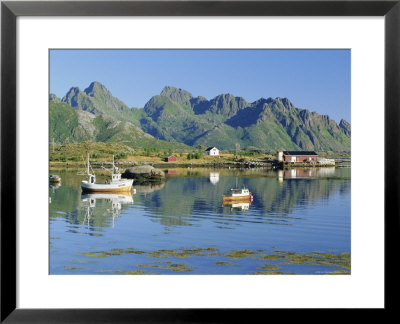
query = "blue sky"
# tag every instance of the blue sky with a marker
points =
(317, 80)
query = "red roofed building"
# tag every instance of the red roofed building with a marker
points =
(297, 156)
(170, 158)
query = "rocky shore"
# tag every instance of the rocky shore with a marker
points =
(144, 173)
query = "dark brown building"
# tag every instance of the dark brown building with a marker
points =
(170, 158)
(300, 156)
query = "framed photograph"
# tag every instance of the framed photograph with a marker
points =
(193, 160)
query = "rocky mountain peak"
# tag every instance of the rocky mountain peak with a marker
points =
(287, 103)
(71, 96)
(96, 87)
(53, 97)
(73, 91)
(345, 126)
(176, 94)
(228, 104)
(175, 115)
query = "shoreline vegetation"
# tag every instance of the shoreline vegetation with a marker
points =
(74, 156)
(269, 263)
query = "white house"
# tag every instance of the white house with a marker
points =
(212, 151)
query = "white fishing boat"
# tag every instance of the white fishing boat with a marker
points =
(115, 184)
(238, 195)
(54, 178)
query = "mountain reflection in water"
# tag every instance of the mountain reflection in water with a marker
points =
(301, 210)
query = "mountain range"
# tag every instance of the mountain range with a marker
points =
(175, 118)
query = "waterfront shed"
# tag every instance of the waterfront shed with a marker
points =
(299, 156)
(212, 150)
(170, 158)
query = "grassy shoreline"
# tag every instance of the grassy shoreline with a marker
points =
(74, 156)
(71, 165)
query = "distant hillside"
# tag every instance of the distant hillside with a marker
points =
(177, 117)
(70, 125)
(226, 120)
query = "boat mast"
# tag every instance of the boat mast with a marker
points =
(88, 164)
(113, 168)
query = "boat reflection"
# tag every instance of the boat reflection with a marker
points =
(114, 202)
(55, 185)
(237, 206)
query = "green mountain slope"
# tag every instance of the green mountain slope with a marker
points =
(227, 120)
(67, 125)
(172, 121)
(71, 125)
(97, 100)
(176, 116)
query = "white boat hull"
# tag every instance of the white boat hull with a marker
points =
(123, 198)
(120, 186)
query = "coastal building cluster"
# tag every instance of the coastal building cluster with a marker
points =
(281, 156)
(302, 157)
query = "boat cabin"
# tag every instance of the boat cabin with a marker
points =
(92, 178)
(116, 177)
(240, 192)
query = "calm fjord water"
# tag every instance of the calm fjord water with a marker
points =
(298, 223)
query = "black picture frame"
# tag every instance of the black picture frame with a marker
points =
(10, 10)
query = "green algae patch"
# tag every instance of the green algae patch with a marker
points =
(72, 268)
(225, 263)
(339, 261)
(134, 251)
(177, 267)
(168, 254)
(135, 272)
(268, 273)
(94, 254)
(164, 253)
(338, 272)
(269, 267)
(240, 254)
(184, 253)
(112, 252)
